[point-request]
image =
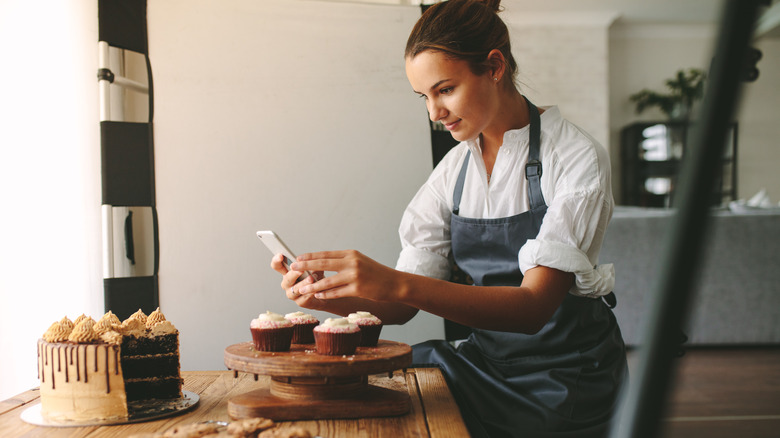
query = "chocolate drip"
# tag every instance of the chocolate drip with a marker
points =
(78, 369)
(86, 378)
(59, 358)
(96, 358)
(67, 348)
(52, 365)
(108, 383)
(116, 359)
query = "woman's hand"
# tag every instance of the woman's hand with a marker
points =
(289, 280)
(355, 276)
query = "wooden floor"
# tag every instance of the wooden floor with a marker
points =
(724, 392)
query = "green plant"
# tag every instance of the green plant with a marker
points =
(684, 89)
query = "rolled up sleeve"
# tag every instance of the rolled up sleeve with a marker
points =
(570, 240)
(422, 262)
(589, 281)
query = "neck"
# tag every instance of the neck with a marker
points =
(511, 113)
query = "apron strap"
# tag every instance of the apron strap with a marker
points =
(456, 195)
(533, 169)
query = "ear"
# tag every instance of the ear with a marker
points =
(497, 64)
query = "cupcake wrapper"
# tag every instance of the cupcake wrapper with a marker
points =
(274, 339)
(303, 333)
(334, 344)
(369, 335)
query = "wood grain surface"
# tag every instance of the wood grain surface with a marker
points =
(432, 412)
(303, 361)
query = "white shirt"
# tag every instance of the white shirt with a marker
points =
(576, 188)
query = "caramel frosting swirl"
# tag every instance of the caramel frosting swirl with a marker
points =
(57, 332)
(68, 324)
(163, 328)
(111, 317)
(154, 318)
(140, 315)
(111, 337)
(83, 332)
(82, 317)
(133, 327)
(103, 326)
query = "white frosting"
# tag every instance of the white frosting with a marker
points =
(337, 325)
(271, 316)
(270, 320)
(300, 317)
(364, 318)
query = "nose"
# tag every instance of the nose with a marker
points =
(436, 110)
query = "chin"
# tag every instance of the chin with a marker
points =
(463, 136)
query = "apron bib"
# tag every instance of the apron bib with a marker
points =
(566, 377)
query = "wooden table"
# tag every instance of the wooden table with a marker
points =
(433, 411)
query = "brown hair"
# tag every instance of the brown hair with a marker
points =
(463, 29)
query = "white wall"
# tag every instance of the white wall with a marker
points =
(563, 60)
(759, 126)
(285, 115)
(50, 260)
(645, 55)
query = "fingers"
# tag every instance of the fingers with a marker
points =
(333, 293)
(292, 286)
(328, 288)
(292, 293)
(326, 255)
(277, 265)
(326, 260)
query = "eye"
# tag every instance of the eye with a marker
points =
(422, 96)
(446, 90)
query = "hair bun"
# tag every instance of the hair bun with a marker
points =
(495, 5)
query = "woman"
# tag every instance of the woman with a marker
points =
(521, 206)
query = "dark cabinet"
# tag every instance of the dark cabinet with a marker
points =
(651, 153)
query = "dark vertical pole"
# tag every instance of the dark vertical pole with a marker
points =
(643, 402)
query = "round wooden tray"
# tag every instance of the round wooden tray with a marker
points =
(306, 385)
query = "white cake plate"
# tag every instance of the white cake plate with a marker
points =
(138, 412)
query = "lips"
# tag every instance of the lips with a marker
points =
(452, 125)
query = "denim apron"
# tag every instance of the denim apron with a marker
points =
(566, 377)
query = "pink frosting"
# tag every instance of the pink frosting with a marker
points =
(337, 325)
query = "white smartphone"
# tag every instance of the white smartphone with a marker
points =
(275, 244)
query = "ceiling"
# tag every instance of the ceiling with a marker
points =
(628, 11)
(667, 11)
(656, 11)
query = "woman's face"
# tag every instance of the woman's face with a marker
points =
(454, 96)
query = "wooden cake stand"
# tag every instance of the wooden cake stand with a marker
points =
(310, 386)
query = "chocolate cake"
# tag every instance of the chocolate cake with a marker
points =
(90, 370)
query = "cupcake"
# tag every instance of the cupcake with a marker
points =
(271, 332)
(336, 336)
(303, 324)
(370, 326)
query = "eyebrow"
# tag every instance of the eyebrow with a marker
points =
(434, 86)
